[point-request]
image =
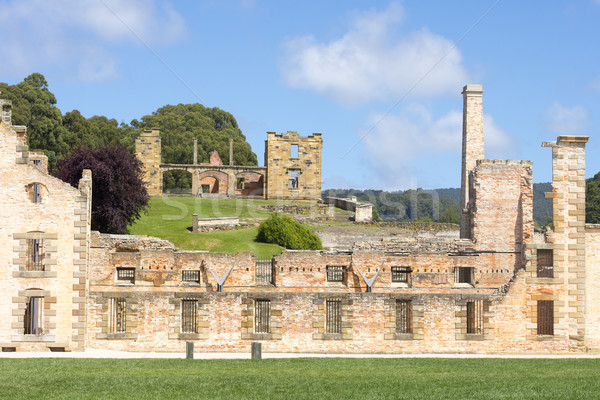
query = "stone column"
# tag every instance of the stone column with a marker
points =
(230, 151)
(568, 203)
(195, 151)
(472, 148)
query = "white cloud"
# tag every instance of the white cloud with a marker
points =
(563, 120)
(76, 35)
(396, 140)
(370, 63)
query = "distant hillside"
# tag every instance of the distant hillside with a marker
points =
(421, 205)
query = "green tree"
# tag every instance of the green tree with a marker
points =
(592, 200)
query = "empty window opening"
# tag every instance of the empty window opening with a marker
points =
(545, 264)
(117, 321)
(37, 197)
(403, 316)
(464, 275)
(205, 188)
(35, 255)
(401, 274)
(336, 273)
(37, 163)
(190, 276)
(262, 316)
(263, 271)
(189, 316)
(293, 178)
(33, 316)
(545, 317)
(239, 183)
(333, 317)
(294, 151)
(475, 317)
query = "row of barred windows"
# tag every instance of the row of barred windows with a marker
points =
(333, 316)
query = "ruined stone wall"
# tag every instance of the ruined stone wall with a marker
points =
(148, 151)
(58, 218)
(502, 205)
(298, 300)
(592, 287)
(281, 166)
(363, 212)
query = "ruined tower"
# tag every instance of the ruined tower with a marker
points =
(293, 166)
(147, 150)
(472, 148)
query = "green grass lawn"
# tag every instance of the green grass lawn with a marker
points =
(170, 218)
(300, 379)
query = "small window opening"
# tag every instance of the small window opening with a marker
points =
(37, 163)
(126, 274)
(294, 151)
(240, 183)
(189, 316)
(293, 179)
(190, 276)
(545, 317)
(263, 271)
(117, 315)
(464, 275)
(336, 273)
(403, 316)
(475, 317)
(545, 263)
(33, 316)
(333, 316)
(35, 255)
(262, 316)
(401, 274)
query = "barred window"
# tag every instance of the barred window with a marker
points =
(401, 274)
(263, 271)
(333, 316)
(403, 316)
(190, 276)
(475, 317)
(262, 316)
(336, 273)
(126, 274)
(464, 275)
(35, 255)
(545, 317)
(117, 315)
(545, 263)
(189, 316)
(33, 316)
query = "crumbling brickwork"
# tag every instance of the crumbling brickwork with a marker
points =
(147, 150)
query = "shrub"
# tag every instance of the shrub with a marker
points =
(284, 231)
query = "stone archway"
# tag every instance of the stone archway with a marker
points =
(211, 183)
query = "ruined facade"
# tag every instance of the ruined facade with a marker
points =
(292, 169)
(498, 287)
(44, 243)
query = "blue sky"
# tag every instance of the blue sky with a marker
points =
(380, 80)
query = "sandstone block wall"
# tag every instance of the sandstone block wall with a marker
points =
(59, 222)
(282, 165)
(147, 150)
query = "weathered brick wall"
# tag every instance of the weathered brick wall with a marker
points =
(148, 151)
(502, 205)
(60, 221)
(279, 163)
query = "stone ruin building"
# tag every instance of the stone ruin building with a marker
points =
(498, 288)
(292, 169)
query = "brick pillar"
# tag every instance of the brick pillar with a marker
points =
(230, 151)
(472, 149)
(568, 202)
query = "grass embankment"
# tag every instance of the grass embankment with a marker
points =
(170, 218)
(300, 379)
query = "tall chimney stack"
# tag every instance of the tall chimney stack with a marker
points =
(230, 151)
(472, 148)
